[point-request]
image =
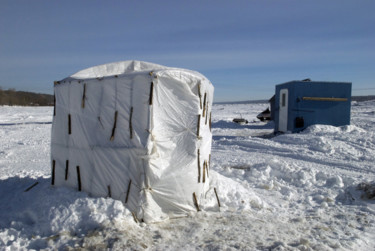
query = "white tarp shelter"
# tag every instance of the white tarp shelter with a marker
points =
(137, 132)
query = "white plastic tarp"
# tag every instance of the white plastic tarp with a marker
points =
(135, 131)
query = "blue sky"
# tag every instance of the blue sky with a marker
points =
(244, 47)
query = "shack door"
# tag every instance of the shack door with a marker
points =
(283, 112)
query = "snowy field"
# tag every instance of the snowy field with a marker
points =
(306, 191)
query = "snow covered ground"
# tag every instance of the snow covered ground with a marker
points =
(289, 192)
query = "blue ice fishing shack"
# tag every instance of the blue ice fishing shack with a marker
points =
(299, 104)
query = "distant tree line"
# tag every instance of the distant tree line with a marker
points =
(363, 98)
(13, 97)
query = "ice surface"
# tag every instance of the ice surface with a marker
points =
(289, 192)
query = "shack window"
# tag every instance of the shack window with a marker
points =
(283, 100)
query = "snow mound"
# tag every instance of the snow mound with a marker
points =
(324, 129)
(41, 211)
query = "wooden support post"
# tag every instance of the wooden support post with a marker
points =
(151, 93)
(130, 122)
(79, 179)
(69, 124)
(53, 172)
(114, 127)
(196, 202)
(199, 167)
(217, 197)
(66, 169)
(127, 193)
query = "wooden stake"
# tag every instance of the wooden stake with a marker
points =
(206, 116)
(66, 169)
(109, 192)
(200, 96)
(210, 124)
(130, 122)
(33, 185)
(127, 193)
(54, 104)
(204, 172)
(53, 172)
(135, 217)
(84, 96)
(114, 127)
(196, 202)
(207, 168)
(151, 93)
(199, 168)
(79, 179)
(204, 104)
(209, 161)
(199, 125)
(217, 197)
